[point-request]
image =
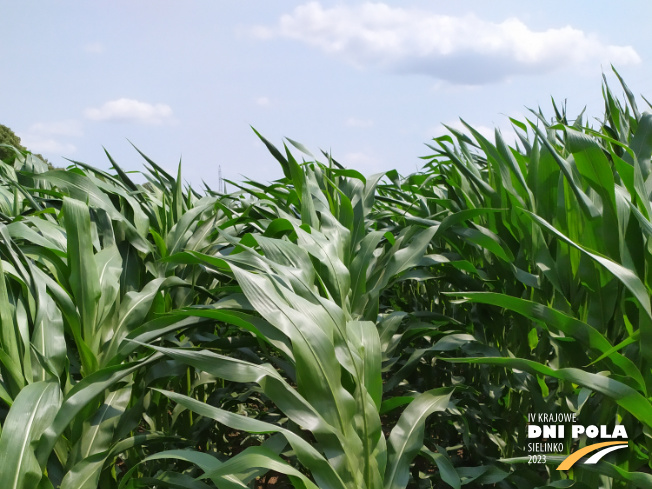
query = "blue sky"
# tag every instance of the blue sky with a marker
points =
(369, 82)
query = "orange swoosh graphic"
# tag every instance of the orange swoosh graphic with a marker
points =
(575, 456)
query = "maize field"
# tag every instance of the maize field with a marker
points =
(331, 329)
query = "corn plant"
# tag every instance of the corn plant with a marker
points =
(314, 285)
(563, 266)
(81, 272)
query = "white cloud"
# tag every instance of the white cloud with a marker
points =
(262, 101)
(130, 110)
(46, 137)
(466, 50)
(360, 123)
(94, 48)
(40, 144)
(70, 128)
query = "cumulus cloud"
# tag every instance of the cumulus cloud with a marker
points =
(130, 110)
(465, 49)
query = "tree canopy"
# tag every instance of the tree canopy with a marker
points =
(7, 136)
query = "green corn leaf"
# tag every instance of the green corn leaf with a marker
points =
(97, 432)
(307, 454)
(406, 438)
(31, 413)
(84, 279)
(627, 277)
(206, 462)
(447, 472)
(567, 169)
(622, 394)
(93, 447)
(572, 327)
(48, 336)
(263, 458)
(79, 397)
(133, 310)
(9, 338)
